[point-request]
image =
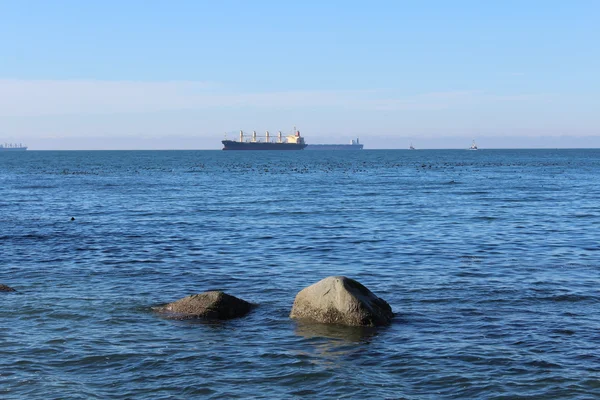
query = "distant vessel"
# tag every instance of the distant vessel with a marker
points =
(291, 142)
(473, 146)
(354, 145)
(12, 147)
(411, 147)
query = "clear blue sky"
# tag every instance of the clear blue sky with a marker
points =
(186, 71)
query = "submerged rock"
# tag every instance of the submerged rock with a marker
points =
(4, 288)
(341, 300)
(212, 305)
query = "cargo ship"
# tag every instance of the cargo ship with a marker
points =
(291, 142)
(12, 147)
(354, 145)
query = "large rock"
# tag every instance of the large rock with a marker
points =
(341, 300)
(4, 288)
(213, 305)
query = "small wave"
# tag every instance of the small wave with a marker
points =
(38, 187)
(567, 332)
(570, 298)
(543, 364)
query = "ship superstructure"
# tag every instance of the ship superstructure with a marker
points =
(267, 142)
(12, 147)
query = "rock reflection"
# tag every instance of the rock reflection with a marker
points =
(353, 334)
(331, 343)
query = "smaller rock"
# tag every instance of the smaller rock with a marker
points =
(4, 288)
(209, 305)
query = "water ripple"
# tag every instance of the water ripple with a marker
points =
(489, 260)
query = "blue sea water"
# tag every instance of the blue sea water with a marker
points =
(490, 260)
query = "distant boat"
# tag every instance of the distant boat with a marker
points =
(12, 147)
(354, 145)
(411, 147)
(473, 146)
(291, 142)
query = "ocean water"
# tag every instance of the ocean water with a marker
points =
(489, 259)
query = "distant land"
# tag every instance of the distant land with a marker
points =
(370, 141)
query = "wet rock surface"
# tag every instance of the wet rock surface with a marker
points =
(4, 288)
(208, 305)
(341, 300)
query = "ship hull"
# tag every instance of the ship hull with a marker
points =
(13, 148)
(334, 147)
(233, 145)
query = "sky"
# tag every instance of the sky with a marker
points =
(182, 74)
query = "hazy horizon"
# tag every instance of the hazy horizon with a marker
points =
(374, 143)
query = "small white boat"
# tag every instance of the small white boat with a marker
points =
(411, 147)
(473, 146)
